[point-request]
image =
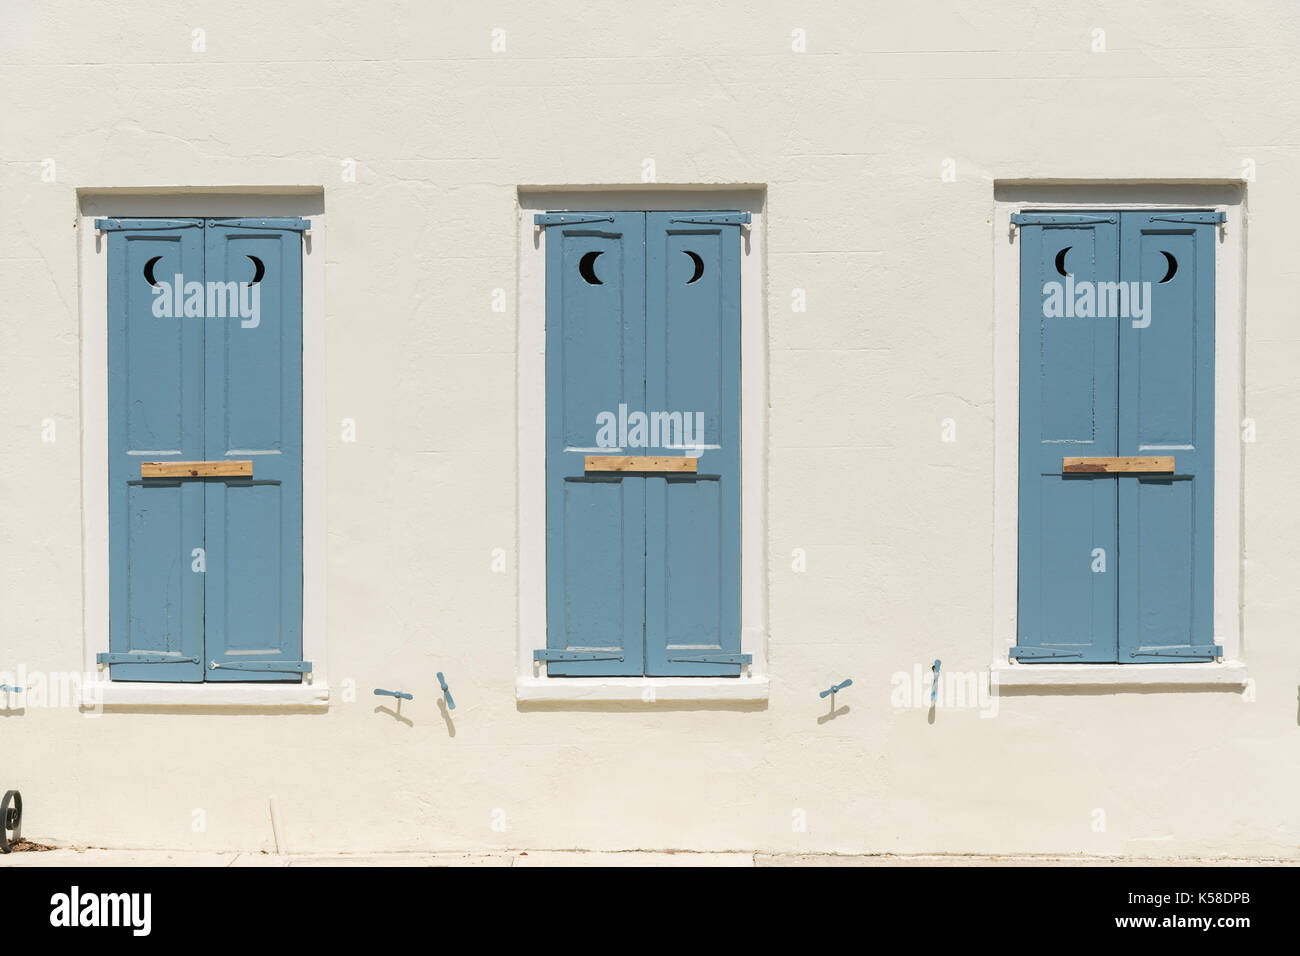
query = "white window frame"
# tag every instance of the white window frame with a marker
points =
(1013, 197)
(531, 684)
(313, 692)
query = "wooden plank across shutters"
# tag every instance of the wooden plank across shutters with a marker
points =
(656, 463)
(196, 469)
(1116, 466)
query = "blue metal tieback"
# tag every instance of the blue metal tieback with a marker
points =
(446, 694)
(934, 688)
(380, 692)
(836, 687)
(12, 690)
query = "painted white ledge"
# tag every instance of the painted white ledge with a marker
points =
(640, 688)
(1120, 675)
(261, 696)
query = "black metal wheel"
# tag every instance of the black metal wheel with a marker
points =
(11, 820)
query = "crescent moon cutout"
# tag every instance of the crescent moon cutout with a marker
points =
(259, 270)
(1173, 266)
(1060, 260)
(699, 266)
(587, 268)
(148, 270)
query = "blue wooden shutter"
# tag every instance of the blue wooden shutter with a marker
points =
(595, 524)
(253, 621)
(1166, 400)
(692, 615)
(155, 413)
(1068, 407)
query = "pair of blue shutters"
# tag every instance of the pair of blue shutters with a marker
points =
(643, 570)
(205, 571)
(1117, 567)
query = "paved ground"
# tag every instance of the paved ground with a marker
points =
(93, 857)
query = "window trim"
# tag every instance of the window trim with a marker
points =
(1225, 196)
(531, 684)
(313, 691)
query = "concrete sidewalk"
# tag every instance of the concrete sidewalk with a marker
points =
(99, 857)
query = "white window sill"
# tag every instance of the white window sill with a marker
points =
(1231, 673)
(261, 696)
(644, 689)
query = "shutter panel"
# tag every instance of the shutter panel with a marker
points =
(155, 413)
(253, 403)
(595, 523)
(1068, 401)
(692, 615)
(1166, 585)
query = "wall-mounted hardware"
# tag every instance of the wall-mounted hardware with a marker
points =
(10, 689)
(400, 695)
(934, 687)
(446, 694)
(836, 688)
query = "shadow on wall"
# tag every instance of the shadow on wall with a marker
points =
(1103, 690)
(638, 706)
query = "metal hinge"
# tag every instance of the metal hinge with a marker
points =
(144, 659)
(113, 225)
(550, 655)
(1195, 650)
(545, 219)
(1196, 217)
(296, 667)
(1058, 219)
(1017, 653)
(712, 659)
(722, 219)
(295, 224)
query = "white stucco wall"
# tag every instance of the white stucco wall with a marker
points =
(848, 141)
